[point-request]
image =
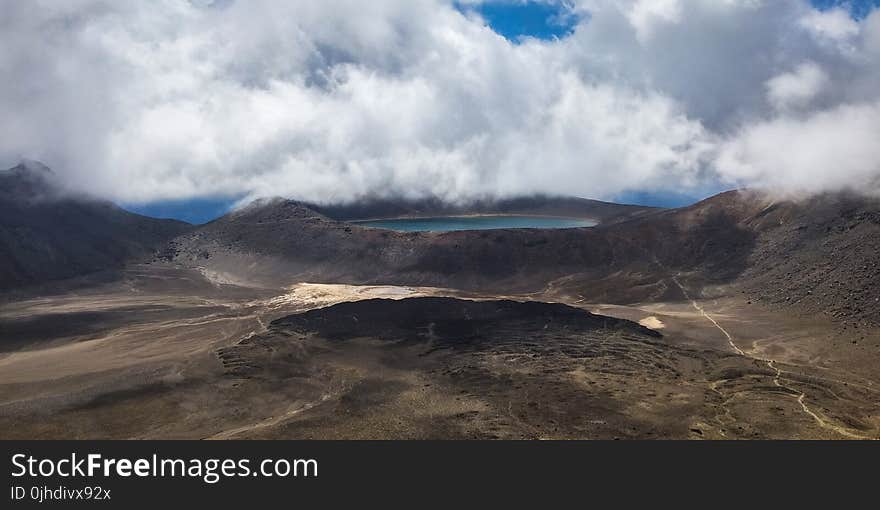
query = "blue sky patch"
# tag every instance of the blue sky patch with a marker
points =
(858, 8)
(517, 19)
(549, 19)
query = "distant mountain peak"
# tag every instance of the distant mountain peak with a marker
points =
(31, 170)
(34, 166)
(29, 180)
(274, 209)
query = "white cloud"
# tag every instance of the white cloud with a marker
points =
(797, 88)
(331, 100)
(831, 149)
(644, 14)
(835, 24)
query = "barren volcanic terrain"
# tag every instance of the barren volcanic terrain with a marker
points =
(739, 317)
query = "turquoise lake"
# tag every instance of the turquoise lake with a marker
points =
(457, 223)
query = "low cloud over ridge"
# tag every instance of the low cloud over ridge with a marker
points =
(141, 101)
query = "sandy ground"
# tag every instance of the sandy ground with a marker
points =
(653, 323)
(167, 353)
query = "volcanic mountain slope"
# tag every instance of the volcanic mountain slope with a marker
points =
(819, 253)
(47, 234)
(281, 242)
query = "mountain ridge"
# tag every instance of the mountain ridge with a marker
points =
(734, 238)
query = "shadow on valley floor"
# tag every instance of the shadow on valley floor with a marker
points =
(27, 332)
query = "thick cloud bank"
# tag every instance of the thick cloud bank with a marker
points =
(335, 99)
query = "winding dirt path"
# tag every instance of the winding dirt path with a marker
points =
(777, 380)
(272, 420)
(710, 318)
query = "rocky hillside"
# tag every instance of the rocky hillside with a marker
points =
(818, 255)
(814, 255)
(47, 234)
(280, 242)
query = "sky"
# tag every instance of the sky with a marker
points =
(184, 108)
(518, 20)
